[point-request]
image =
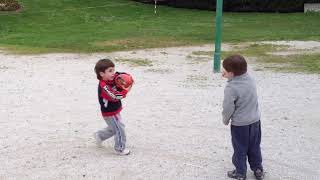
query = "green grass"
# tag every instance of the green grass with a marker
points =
(103, 26)
(202, 53)
(255, 50)
(160, 71)
(308, 63)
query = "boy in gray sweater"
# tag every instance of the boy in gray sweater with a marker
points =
(240, 106)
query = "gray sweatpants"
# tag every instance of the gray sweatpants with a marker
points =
(115, 128)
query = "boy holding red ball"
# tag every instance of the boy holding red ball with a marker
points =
(113, 86)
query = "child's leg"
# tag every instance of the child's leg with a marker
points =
(240, 143)
(120, 135)
(107, 132)
(254, 152)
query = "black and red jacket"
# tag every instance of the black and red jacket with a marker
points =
(110, 97)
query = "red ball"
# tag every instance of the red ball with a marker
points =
(124, 80)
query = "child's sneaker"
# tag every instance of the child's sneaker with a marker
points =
(124, 152)
(98, 139)
(259, 174)
(233, 174)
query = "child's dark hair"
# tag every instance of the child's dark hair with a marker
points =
(236, 64)
(102, 65)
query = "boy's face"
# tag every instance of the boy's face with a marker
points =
(108, 74)
(227, 74)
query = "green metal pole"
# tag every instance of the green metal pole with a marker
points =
(217, 52)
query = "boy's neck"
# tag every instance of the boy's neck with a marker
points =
(240, 76)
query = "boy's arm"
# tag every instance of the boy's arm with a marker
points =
(110, 94)
(228, 104)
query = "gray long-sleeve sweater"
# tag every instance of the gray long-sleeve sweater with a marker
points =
(240, 104)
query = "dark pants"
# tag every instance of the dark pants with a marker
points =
(246, 142)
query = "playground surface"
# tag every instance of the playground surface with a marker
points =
(49, 111)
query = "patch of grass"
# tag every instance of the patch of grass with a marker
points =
(197, 60)
(135, 62)
(203, 53)
(33, 50)
(164, 53)
(309, 63)
(255, 50)
(197, 57)
(290, 63)
(196, 78)
(9, 5)
(113, 25)
(4, 67)
(136, 43)
(200, 56)
(250, 50)
(161, 71)
(196, 81)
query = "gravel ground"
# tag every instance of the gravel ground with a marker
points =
(49, 111)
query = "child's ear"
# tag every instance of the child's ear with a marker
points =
(101, 74)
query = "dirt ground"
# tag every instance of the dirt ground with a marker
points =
(49, 111)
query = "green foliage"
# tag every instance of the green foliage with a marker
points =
(244, 5)
(113, 25)
(264, 5)
(9, 5)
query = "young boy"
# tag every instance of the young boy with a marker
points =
(110, 102)
(240, 105)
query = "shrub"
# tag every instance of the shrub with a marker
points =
(9, 5)
(241, 5)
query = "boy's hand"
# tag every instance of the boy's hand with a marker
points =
(225, 122)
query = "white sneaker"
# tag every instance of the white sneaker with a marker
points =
(124, 152)
(98, 139)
